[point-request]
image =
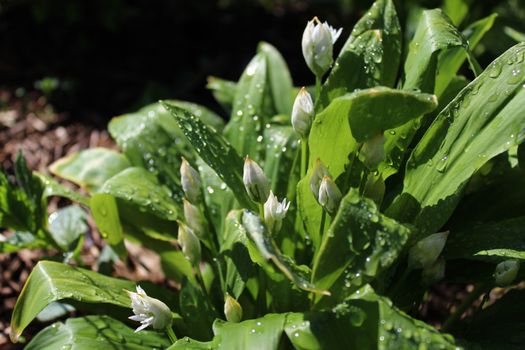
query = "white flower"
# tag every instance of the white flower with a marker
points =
(329, 195)
(274, 212)
(506, 272)
(318, 173)
(302, 113)
(373, 151)
(425, 252)
(255, 181)
(317, 43)
(149, 311)
(191, 182)
(190, 244)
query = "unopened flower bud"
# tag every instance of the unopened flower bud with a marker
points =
(425, 252)
(434, 272)
(190, 244)
(274, 212)
(194, 218)
(373, 151)
(149, 311)
(318, 44)
(232, 309)
(302, 113)
(506, 272)
(329, 195)
(191, 182)
(255, 181)
(318, 173)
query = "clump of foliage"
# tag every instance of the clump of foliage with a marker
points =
(329, 233)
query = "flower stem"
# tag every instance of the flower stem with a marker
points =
(304, 155)
(171, 334)
(479, 289)
(317, 88)
(261, 211)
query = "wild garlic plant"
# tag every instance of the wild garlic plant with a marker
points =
(316, 217)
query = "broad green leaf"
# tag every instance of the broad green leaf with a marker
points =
(21, 240)
(281, 144)
(223, 91)
(359, 245)
(451, 60)
(348, 120)
(299, 275)
(484, 120)
(50, 281)
(95, 332)
(370, 56)
(218, 196)
(53, 311)
(215, 151)
(263, 333)
(491, 241)
(66, 225)
(139, 187)
(104, 210)
(435, 34)
(279, 78)
(90, 168)
(456, 10)
(196, 311)
(248, 115)
(54, 188)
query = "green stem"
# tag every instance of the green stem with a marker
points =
(200, 281)
(317, 88)
(262, 293)
(304, 156)
(319, 238)
(261, 211)
(171, 334)
(479, 289)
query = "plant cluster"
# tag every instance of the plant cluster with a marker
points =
(316, 218)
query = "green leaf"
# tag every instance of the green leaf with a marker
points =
(140, 188)
(54, 188)
(346, 121)
(360, 244)
(50, 281)
(248, 114)
(223, 91)
(484, 120)
(215, 151)
(491, 241)
(105, 213)
(435, 34)
(451, 60)
(90, 332)
(456, 10)
(279, 78)
(23, 208)
(370, 56)
(66, 225)
(299, 275)
(196, 311)
(90, 168)
(21, 240)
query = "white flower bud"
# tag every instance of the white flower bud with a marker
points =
(302, 113)
(191, 182)
(190, 244)
(506, 272)
(318, 173)
(318, 44)
(255, 181)
(329, 195)
(425, 252)
(434, 272)
(373, 151)
(232, 309)
(194, 218)
(149, 311)
(274, 212)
